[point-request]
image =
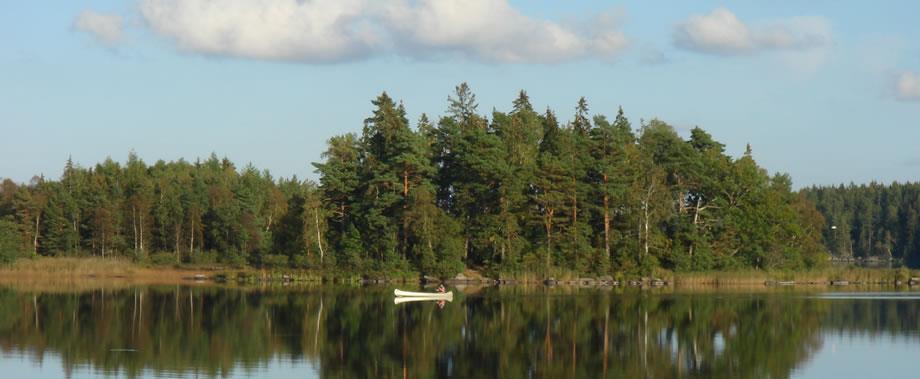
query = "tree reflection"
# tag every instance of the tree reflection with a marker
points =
(497, 333)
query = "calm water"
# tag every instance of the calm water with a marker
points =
(330, 332)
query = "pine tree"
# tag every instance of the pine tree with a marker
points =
(550, 186)
(611, 172)
(520, 133)
(339, 182)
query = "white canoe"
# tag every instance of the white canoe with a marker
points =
(427, 295)
(406, 299)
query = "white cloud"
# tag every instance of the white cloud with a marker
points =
(908, 86)
(722, 33)
(719, 32)
(492, 30)
(107, 29)
(338, 30)
(313, 31)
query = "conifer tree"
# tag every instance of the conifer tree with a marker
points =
(339, 182)
(611, 172)
(520, 133)
(550, 186)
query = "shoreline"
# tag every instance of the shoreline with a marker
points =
(48, 269)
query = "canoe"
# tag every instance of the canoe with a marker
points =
(427, 295)
(406, 299)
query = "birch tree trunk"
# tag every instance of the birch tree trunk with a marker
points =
(319, 236)
(696, 219)
(134, 226)
(141, 229)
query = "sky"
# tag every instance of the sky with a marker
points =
(827, 91)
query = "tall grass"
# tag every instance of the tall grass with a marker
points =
(821, 276)
(71, 266)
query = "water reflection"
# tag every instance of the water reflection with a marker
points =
(495, 333)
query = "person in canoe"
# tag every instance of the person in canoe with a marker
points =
(441, 288)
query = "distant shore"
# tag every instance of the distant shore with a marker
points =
(45, 269)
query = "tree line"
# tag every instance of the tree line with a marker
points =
(871, 220)
(511, 192)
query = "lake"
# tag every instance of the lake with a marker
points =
(508, 332)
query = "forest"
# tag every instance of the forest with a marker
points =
(871, 221)
(522, 191)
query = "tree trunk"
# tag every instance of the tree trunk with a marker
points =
(549, 234)
(405, 184)
(606, 222)
(696, 218)
(140, 228)
(507, 241)
(191, 243)
(76, 243)
(178, 234)
(646, 228)
(319, 236)
(575, 222)
(405, 226)
(38, 218)
(645, 213)
(134, 226)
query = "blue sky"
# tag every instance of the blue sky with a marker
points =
(828, 91)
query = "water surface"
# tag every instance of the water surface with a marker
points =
(516, 332)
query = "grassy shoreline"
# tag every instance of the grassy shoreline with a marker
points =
(826, 276)
(45, 269)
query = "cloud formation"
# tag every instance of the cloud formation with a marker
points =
(107, 29)
(908, 86)
(314, 31)
(722, 33)
(492, 30)
(322, 31)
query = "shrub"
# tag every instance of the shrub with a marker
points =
(203, 258)
(162, 259)
(233, 258)
(309, 261)
(274, 261)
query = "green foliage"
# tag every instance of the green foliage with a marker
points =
(203, 258)
(871, 222)
(162, 259)
(301, 261)
(234, 258)
(514, 192)
(10, 242)
(274, 261)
